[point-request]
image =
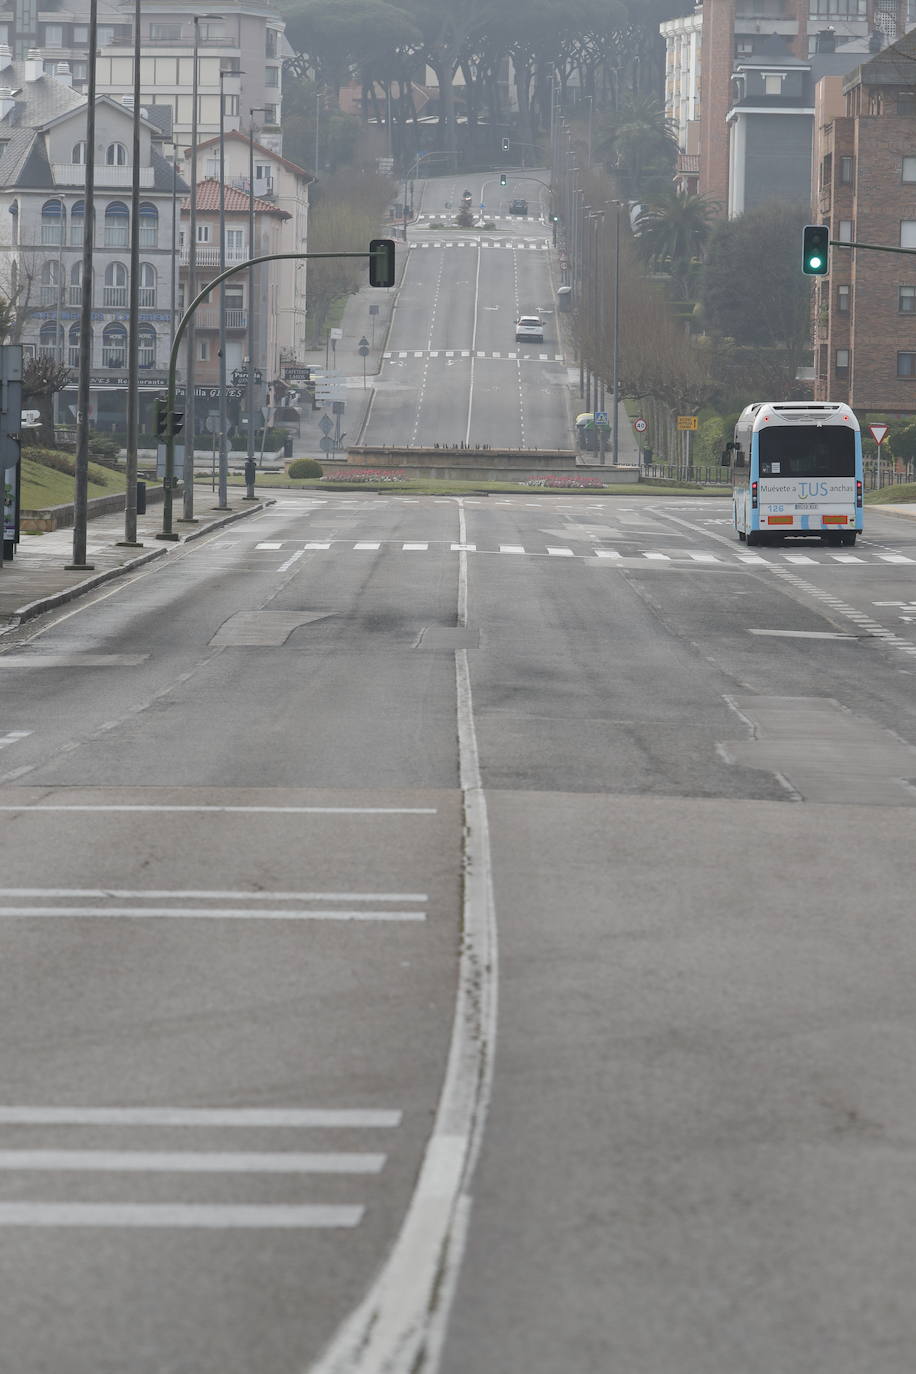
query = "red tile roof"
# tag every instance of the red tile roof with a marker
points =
(235, 200)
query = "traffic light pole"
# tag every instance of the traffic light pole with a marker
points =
(379, 256)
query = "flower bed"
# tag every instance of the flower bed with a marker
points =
(366, 475)
(558, 480)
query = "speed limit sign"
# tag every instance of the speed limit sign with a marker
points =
(640, 425)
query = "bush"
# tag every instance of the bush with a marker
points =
(304, 467)
(104, 450)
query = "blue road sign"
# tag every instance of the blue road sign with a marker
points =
(600, 417)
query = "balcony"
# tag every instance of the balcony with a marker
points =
(114, 297)
(208, 255)
(209, 319)
(74, 174)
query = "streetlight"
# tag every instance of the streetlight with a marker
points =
(190, 422)
(615, 384)
(223, 497)
(252, 274)
(133, 331)
(81, 464)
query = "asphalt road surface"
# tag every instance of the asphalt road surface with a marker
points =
(459, 935)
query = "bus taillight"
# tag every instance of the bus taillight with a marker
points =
(754, 496)
(858, 493)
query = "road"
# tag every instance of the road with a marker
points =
(475, 932)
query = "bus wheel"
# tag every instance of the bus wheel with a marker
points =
(848, 536)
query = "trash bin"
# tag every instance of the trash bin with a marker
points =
(141, 498)
(564, 298)
(288, 446)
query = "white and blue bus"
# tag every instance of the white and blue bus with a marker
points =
(796, 470)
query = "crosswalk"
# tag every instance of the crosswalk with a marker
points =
(504, 356)
(682, 557)
(538, 245)
(430, 217)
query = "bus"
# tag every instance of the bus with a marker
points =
(796, 470)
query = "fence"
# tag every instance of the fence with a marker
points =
(712, 475)
(889, 476)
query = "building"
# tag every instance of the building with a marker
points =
(42, 185)
(269, 225)
(865, 309)
(286, 186)
(744, 105)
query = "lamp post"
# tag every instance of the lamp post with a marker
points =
(133, 330)
(223, 496)
(252, 278)
(615, 383)
(81, 465)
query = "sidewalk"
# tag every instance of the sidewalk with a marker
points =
(36, 579)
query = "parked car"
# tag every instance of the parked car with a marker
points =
(518, 207)
(529, 329)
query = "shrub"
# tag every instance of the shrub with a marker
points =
(104, 450)
(304, 467)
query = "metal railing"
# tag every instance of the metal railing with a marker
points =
(705, 475)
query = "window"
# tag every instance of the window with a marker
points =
(114, 295)
(116, 225)
(80, 34)
(842, 300)
(147, 286)
(77, 222)
(78, 153)
(114, 346)
(272, 76)
(54, 35)
(48, 283)
(146, 350)
(270, 114)
(75, 289)
(73, 346)
(203, 233)
(52, 222)
(841, 362)
(906, 364)
(79, 70)
(846, 171)
(270, 42)
(235, 245)
(211, 168)
(908, 233)
(116, 155)
(906, 103)
(203, 350)
(165, 33)
(230, 104)
(148, 225)
(772, 83)
(906, 300)
(844, 231)
(908, 172)
(48, 340)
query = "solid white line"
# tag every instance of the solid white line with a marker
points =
(199, 894)
(243, 810)
(190, 1162)
(473, 349)
(325, 1118)
(290, 561)
(180, 1215)
(202, 913)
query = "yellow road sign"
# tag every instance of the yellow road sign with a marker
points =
(686, 422)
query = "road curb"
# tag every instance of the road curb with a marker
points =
(49, 603)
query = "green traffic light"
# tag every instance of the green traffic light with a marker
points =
(815, 247)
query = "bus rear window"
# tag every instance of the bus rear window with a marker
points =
(807, 451)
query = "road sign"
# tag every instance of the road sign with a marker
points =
(337, 407)
(363, 348)
(292, 372)
(325, 443)
(335, 333)
(325, 425)
(687, 422)
(640, 425)
(878, 432)
(600, 417)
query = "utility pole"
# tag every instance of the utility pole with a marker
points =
(81, 466)
(133, 331)
(252, 281)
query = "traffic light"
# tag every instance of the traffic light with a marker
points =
(505, 145)
(161, 414)
(815, 249)
(381, 262)
(503, 179)
(177, 421)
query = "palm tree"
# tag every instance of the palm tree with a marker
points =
(672, 232)
(637, 139)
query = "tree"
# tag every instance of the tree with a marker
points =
(753, 291)
(638, 141)
(349, 207)
(672, 233)
(41, 379)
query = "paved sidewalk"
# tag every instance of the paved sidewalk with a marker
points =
(37, 579)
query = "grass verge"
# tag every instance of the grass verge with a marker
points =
(888, 496)
(43, 486)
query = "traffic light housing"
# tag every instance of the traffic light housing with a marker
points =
(381, 262)
(177, 421)
(815, 249)
(161, 416)
(505, 145)
(503, 179)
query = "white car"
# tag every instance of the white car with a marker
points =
(529, 329)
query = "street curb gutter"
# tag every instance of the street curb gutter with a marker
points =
(49, 603)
